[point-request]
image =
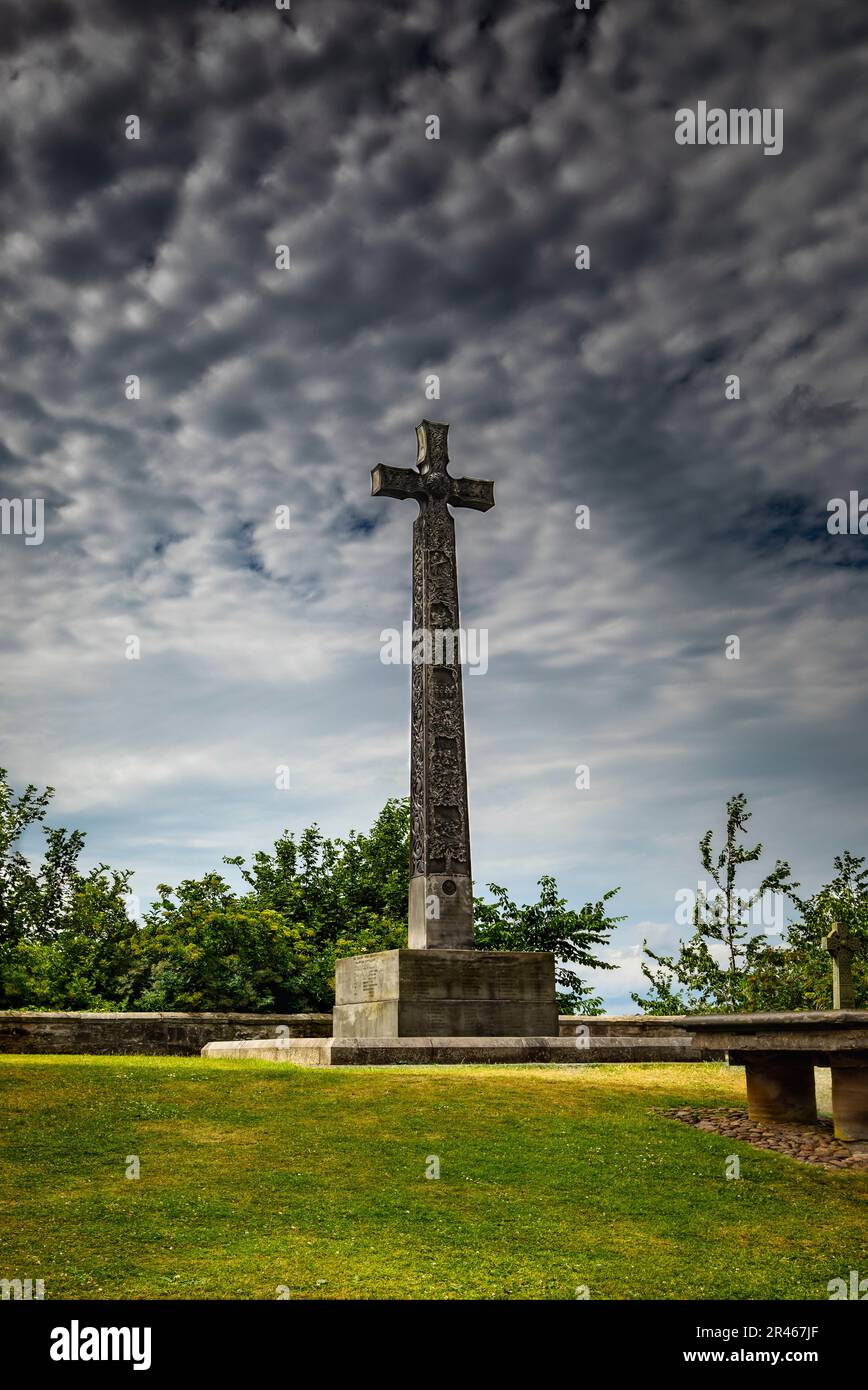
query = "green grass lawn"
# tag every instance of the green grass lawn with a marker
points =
(255, 1175)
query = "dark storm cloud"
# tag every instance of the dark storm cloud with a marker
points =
(27, 24)
(802, 410)
(262, 388)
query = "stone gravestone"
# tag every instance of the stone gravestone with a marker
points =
(440, 986)
(842, 946)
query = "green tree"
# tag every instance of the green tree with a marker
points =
(66, 939)
(349, 894)
(798, 974)
(697, 980)
(204, 948)
(33, 902)
(550, 925)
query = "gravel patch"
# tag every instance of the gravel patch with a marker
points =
(814, 1143)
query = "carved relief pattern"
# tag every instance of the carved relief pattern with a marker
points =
(438, 778)
(437, 455)
(417, 719)
(469, 490)
(439, 833)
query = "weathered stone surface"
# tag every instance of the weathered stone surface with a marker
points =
(816, 1034)
(186, 1033)
(152, 1034)
(625, 1026)
(461, 996)
(441, 890)
(796, 1025)
(446, 993)
(850, 1100)
(379, 1052)
(462, 1018)
(453, 926)
(842, 945)
(445, 974)
(780, 1087)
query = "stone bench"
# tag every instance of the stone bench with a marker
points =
(779, 1053)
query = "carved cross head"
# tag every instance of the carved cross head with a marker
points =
(840, 942)
(431, 480)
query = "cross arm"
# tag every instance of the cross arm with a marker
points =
(395, 482)
(472, 492)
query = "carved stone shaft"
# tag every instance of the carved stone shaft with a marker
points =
(842, 946)
(441, 889)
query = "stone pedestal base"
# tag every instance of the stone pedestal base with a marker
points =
(850, 1101)
(780, 1087)
(454, 1051)
(452, 926)
(446, 993)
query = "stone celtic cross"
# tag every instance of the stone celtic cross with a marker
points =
(842, 946)
(441, 889)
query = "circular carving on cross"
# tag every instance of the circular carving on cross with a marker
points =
(436, 485)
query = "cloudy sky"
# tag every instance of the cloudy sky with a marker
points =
(411, 257)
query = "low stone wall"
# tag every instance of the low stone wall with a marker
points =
(179, 1034)
(642, 1031)
(185, 1034)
